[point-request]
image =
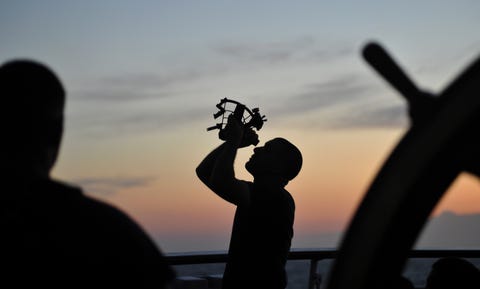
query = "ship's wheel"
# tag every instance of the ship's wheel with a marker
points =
(442, 141)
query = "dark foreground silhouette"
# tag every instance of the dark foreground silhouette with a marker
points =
(53, 236)
(455, 273)
(402, 283)
(263, 223)
(441, 142)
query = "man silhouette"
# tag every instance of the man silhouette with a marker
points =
(453, 272)
(263, 223)
(53, 236)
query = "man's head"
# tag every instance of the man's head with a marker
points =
(277, 158)
(33, 100)
(453, 272)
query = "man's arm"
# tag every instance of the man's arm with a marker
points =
(216, 170)
(205, 168)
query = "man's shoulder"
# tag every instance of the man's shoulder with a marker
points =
(50, 192)
(276, 197)
(57, 186)
(97, 213)
(284, 201)
(288, 197)
(288, 200)
(73, 197)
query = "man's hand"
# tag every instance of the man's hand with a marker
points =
(236, 133)
(233, 131)
(250, 137)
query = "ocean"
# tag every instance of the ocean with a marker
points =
(416, 271)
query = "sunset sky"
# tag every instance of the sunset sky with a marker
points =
(143, 79)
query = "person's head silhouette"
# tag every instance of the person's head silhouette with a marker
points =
(33, 100)
(452, 272)
(49, 219)
(278, 158)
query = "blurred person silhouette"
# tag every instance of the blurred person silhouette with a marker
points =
(54, 236)
(453, 272)
(403, 282)
(263, 223)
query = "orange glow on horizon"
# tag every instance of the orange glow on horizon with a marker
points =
(338, 169)
(463, 197)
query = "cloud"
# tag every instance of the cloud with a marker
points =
(134, 87)
(133, 102)
(451, 230)
(250, 53)
(160, 80)
(389, 116)
(136, 102)
(334, 93)
(112, 185)
(264, 52)
(344, 102)
(108, 121)
(344, 88)
(117, 94)
(302, 49)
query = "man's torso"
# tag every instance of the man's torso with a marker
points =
(261, 238)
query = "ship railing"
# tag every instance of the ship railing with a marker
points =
(313, 256)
